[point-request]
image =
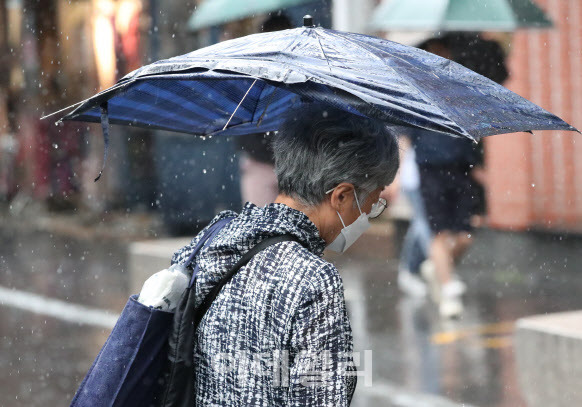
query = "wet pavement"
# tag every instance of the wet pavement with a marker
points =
(417, 359)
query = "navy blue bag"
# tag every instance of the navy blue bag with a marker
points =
(147, 359)
(128, 369)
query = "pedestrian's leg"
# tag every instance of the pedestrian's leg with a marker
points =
(421, 226)
(418, 255)
(440, 202)
(409, 280)
(407, 247)
(463, 241)
(416, 244)
(451, 249)
(433, 205)
(442, 256)
(412, 255)
(449, 294)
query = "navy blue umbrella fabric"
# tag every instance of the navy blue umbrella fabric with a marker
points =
(245, 85)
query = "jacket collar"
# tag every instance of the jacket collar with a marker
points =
(277, 218)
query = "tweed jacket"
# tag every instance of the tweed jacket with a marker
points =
(278, 333)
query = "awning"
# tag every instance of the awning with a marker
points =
(458, 15)
(215, 12)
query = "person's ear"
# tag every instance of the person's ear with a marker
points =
(342, 196)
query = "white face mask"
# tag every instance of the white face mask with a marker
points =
(349, 234)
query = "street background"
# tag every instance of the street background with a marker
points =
(64, 239)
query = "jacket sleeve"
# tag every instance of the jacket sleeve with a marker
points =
(321, 369)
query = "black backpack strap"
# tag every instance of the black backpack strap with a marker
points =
(178, 388)
(201, 311)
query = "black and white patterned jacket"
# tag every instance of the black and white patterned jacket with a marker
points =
(278, 332)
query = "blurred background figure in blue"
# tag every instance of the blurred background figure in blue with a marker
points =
(451, 191)
(416, 244)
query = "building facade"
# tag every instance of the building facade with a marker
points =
(535, 181)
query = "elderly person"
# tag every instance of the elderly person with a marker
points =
(278, 333)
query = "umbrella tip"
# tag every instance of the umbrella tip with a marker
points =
(307, 21)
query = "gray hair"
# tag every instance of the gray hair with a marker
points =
(318, 148)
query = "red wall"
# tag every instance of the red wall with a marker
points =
(536, 181)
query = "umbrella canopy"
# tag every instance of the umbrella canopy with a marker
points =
(214, 12)
(244, 85)
(459, 15)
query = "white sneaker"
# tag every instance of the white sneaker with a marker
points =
(451, 304)
(411, 284)
(456, 287)
(428, 272)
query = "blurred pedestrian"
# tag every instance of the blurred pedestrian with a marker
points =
(445, 164)
(58, 159)
(258, 181)
(486, 57)
(416, 245)
(331, 169)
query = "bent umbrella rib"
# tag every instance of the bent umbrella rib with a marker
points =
(239, 103)
(323, 51)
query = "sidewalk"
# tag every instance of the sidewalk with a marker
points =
(120, 225)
